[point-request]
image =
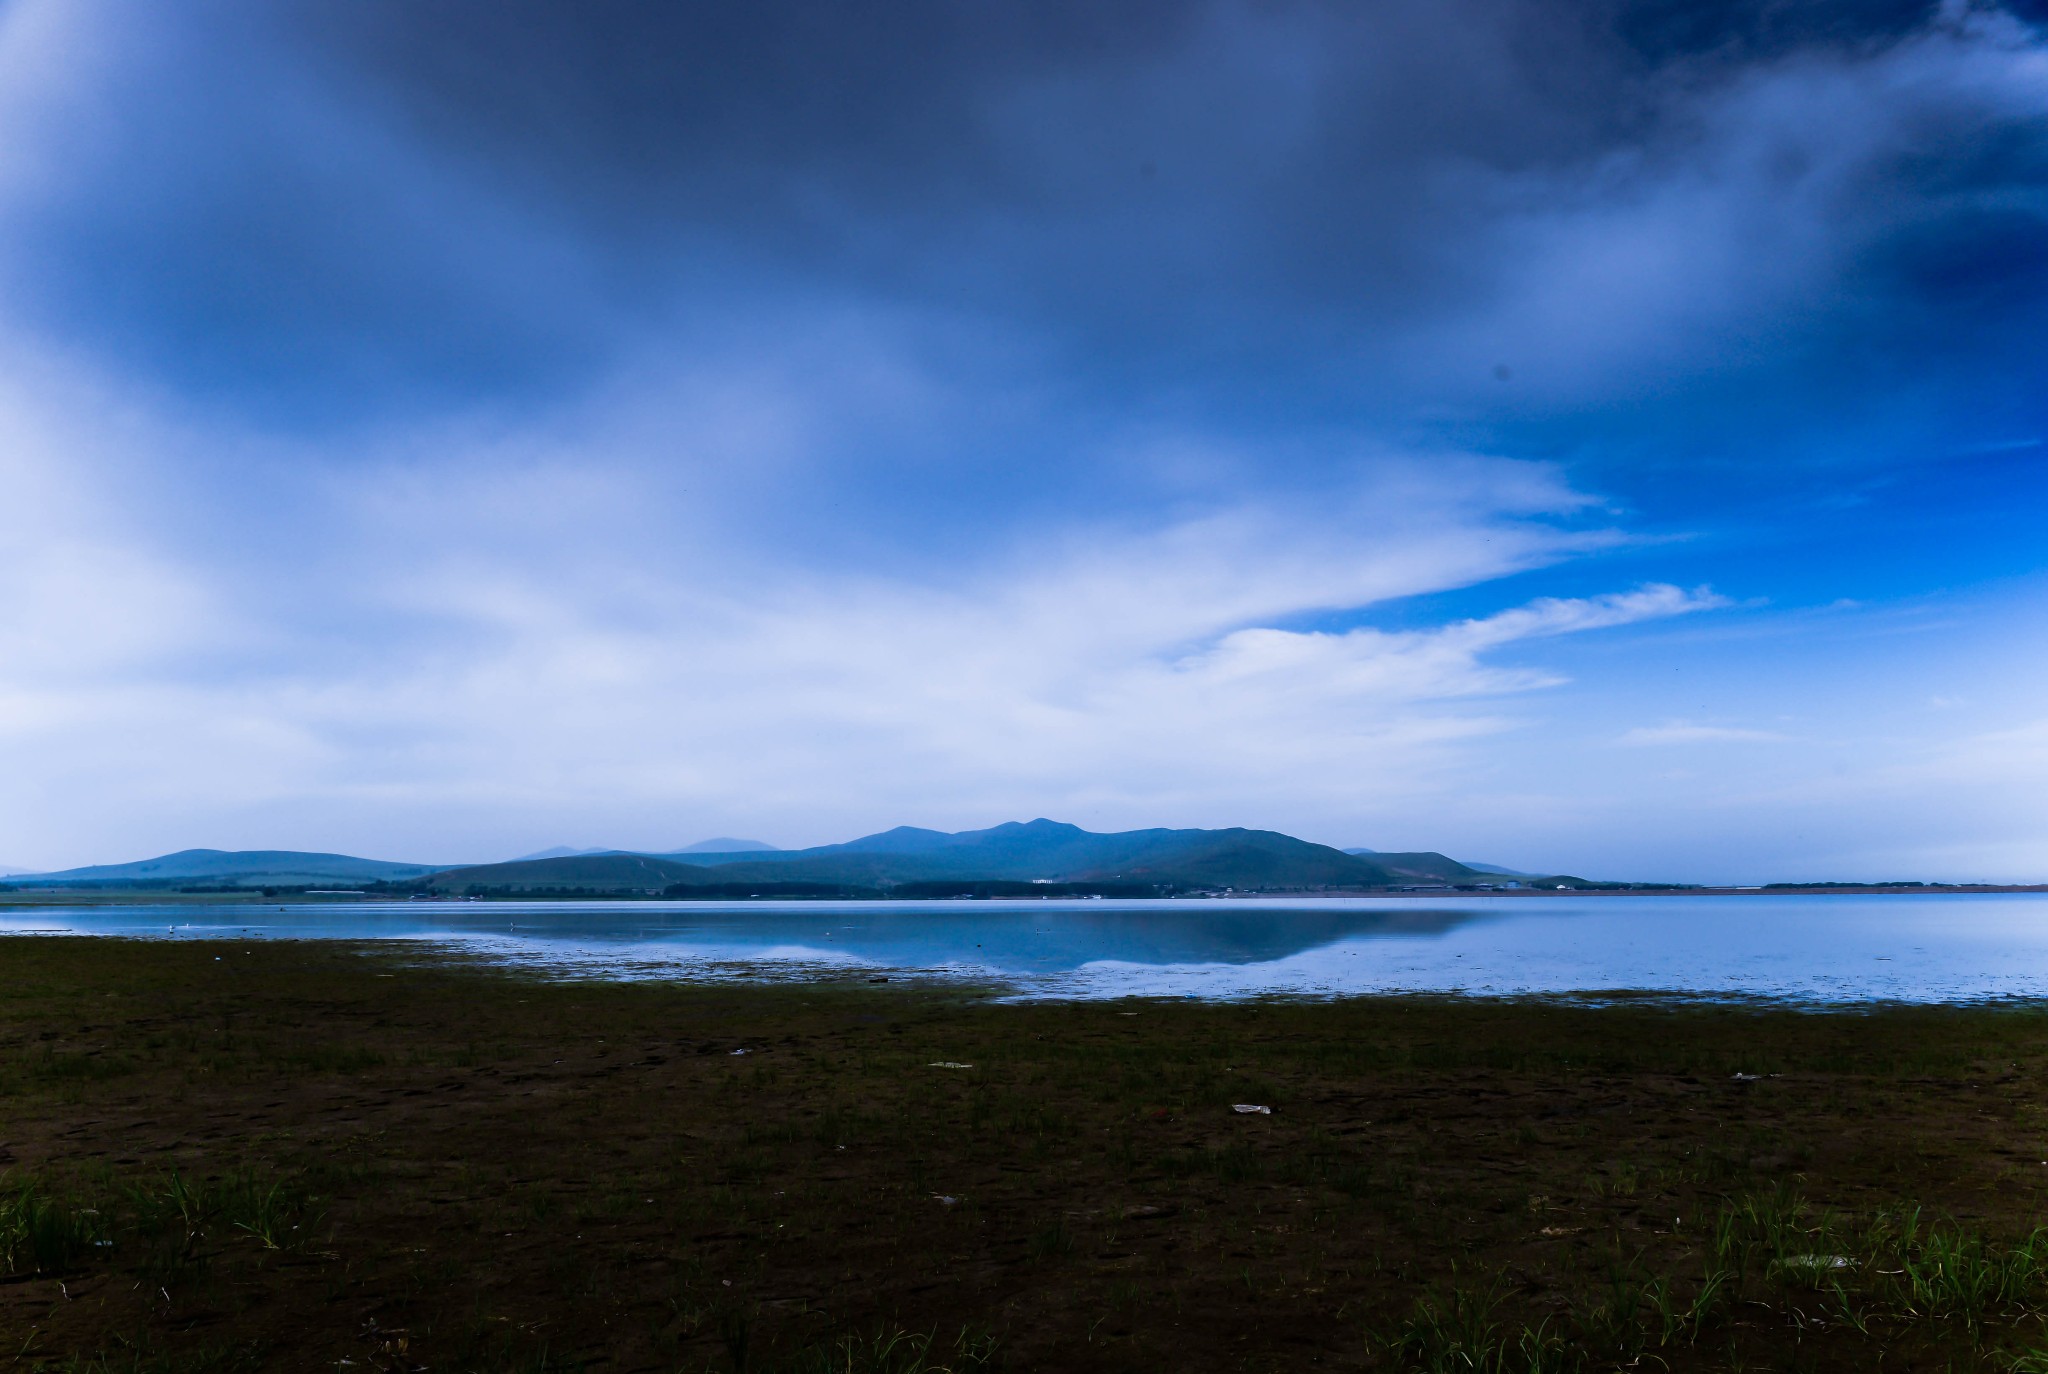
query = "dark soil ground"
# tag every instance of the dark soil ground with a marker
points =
(228, 1156)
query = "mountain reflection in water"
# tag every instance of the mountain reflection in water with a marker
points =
(1922, 947)
(1023, 937)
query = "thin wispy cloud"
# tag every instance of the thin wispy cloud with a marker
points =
(1688, 732)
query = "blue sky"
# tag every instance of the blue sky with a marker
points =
(1607, 438)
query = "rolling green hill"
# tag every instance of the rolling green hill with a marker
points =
(1036, 852)
(575, 872)
(1013, 857)
(235, 868)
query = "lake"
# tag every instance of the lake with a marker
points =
(1829, 948)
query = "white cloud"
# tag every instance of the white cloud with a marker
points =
(1689, 732)
(85, 593)
(461, 653)
(2017, 753)
(1736, 226)
(1427, 665)
(457, 645)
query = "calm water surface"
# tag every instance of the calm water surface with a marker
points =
(1947, 947)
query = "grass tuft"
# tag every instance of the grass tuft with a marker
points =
(893, 1350)
(43, 1234)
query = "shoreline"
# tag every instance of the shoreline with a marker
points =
(54, 899)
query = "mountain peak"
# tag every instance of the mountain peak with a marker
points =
(560, 851)
(1041, 826)
(727, 844)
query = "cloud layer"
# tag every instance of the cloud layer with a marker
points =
(451, 429)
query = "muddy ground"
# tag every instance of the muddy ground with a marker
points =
(225, 1156)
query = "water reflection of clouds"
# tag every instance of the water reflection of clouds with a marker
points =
(1924, 947)
(985, 939)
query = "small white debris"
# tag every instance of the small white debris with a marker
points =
(1250, 1109)
(739, 1051)
(1816, 1262)
(1747, 1077)
(949, 1064)
(945, 1200)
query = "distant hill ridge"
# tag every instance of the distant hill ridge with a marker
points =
(1494, 869)
(724, 844)
(1042, 852)
(244, 867)
(1024, 855)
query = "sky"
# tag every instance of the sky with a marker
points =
(1606, 437)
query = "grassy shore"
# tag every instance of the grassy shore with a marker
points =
(232, 1156)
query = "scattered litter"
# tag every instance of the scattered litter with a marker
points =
(945, 1200)
(1250, 1109)
(1747, 1077)
(739, 1051)
(949, 1064)
(1816, 1262)
(1559, 1231)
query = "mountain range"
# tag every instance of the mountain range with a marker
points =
(1034, 856)
(724, 844)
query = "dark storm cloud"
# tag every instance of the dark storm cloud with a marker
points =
(1330, 213)
(198, 204)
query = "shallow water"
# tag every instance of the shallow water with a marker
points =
(1833, 948)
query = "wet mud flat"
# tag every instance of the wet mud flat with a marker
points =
(298, 1156)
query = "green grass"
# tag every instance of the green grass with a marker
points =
(214, 1158)
(54, 1227)
(1905, 1279)
(42, 1232)
(893, 1350)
